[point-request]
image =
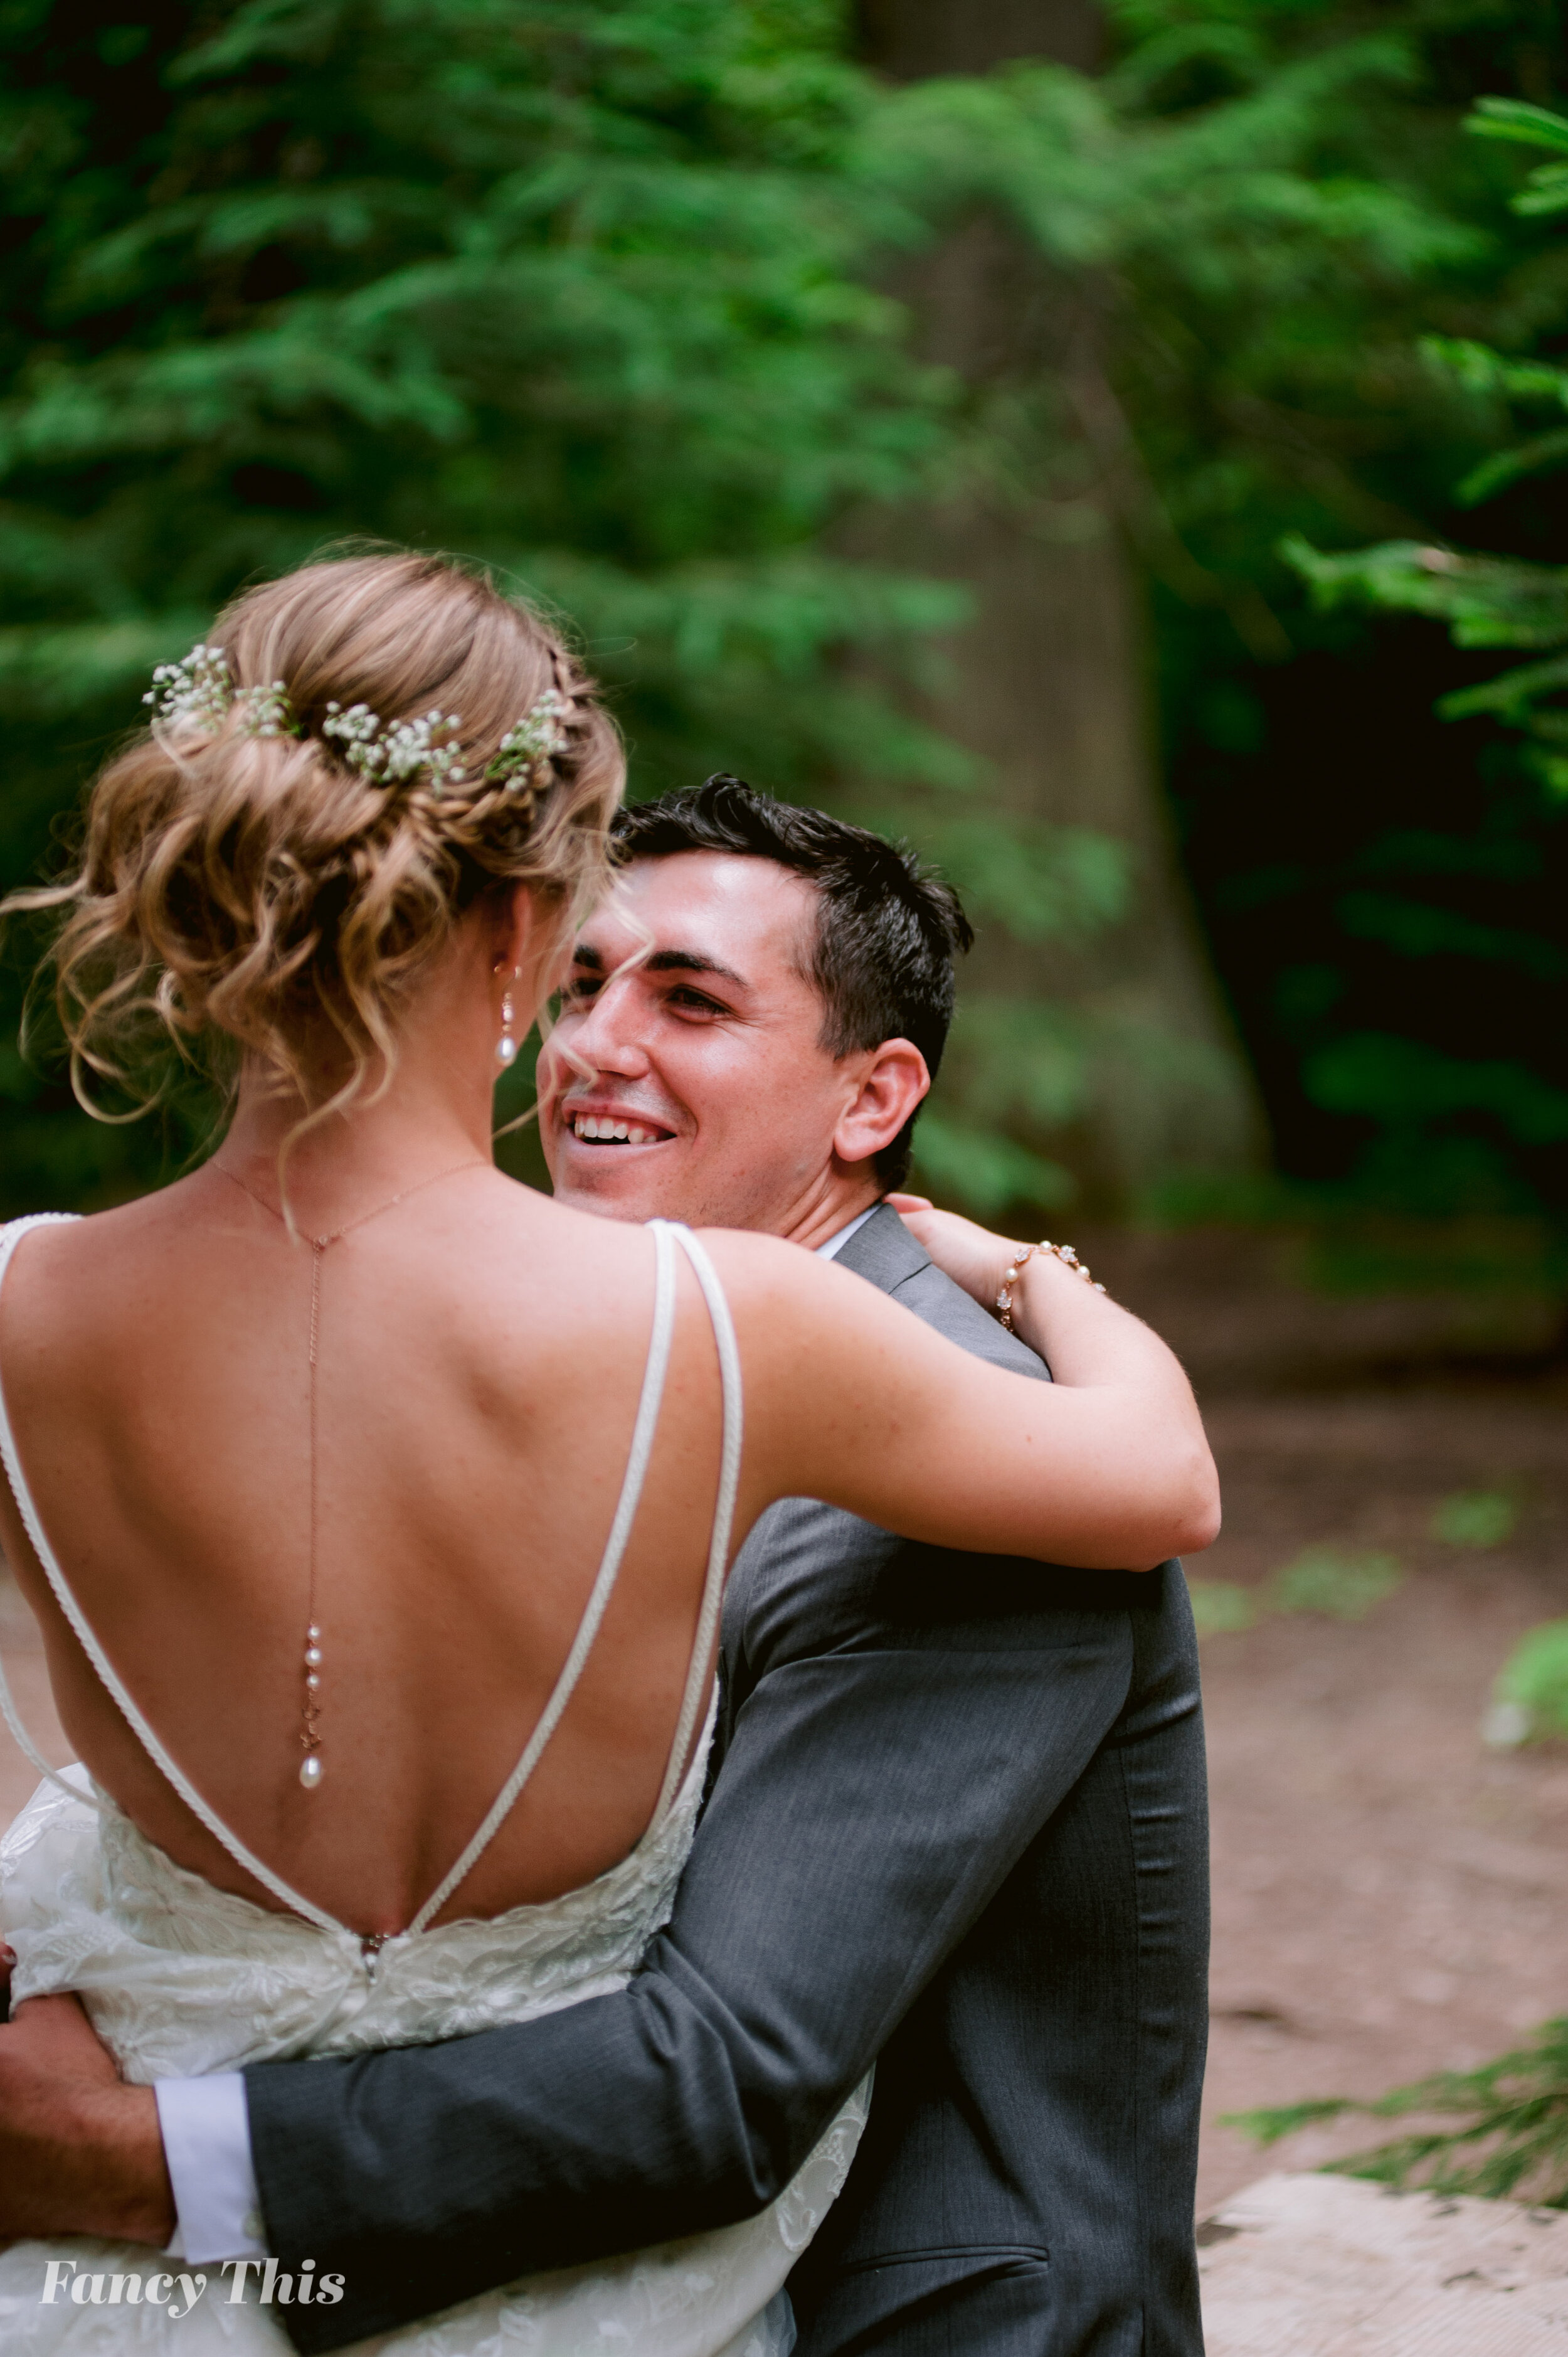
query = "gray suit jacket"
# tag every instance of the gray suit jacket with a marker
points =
(958, 1824)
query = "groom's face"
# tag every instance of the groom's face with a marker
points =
(708, 1096)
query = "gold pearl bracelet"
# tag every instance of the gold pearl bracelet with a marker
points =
(1064, 1253)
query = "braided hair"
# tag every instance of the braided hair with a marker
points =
(248, 884)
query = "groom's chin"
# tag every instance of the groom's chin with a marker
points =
(590, 1179)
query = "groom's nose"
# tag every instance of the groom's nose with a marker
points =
(608, 1033)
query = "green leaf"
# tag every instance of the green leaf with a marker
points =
(1266, 2126)
(1511, 2141)
(1476, 1518)
(1220, 1608)
(1517, 119)
(1418, 930)
(1335, 1584)
(1404, 1082)
(1535, 1677)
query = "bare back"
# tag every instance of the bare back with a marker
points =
(480, 1359)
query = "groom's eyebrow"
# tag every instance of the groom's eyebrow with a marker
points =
(671, 960)
(676, 961)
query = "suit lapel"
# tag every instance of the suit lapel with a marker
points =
(884, 1254)
(883, 1251)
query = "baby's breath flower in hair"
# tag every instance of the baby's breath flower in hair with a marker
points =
(537, 738)
(199, 694)
(387, 755)
(268, 712)
(197, 690)
(283, 897)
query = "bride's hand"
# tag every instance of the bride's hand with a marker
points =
(1107, 1466)
(962, 1250)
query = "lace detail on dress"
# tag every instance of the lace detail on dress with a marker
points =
(181, 1979)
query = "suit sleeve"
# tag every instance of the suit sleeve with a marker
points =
(872, 1798)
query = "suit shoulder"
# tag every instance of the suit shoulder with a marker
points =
(955, 1314)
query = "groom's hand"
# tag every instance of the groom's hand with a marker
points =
(80, 2151)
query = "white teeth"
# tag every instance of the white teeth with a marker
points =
(626, 1133)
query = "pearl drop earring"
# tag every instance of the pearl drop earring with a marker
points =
(505, 1046)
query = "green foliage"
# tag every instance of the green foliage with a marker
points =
(1534, 1680)
(1377, 888)
(985, 1169)
(1221, 1607)
(1512, 2143)
(574, 291)
(598, 295)
(1476, 1518)
(1333, 1583)
(1531, 126)
(1242, 225)
(1244, 230)
(1336, 1585)
(593, 296)
(1487, 602)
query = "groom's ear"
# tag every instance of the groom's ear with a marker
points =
(892, 1080)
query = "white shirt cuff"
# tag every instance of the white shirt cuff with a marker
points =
(207, 2144)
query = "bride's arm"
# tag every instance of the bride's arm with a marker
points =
(851, 1399)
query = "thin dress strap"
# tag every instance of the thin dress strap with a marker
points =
(292, 1899)
(636, 1466)
(10, 1237)
(648, 1409)
(698, 1676)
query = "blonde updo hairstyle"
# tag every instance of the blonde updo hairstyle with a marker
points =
(258, 888)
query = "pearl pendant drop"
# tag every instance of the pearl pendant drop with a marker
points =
(310, 1765)
(505, 1046)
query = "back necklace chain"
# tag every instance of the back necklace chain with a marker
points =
(310, 1767)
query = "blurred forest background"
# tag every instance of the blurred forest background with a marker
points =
(1121, 447)
(951, 413)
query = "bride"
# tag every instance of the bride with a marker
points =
(375, 1509)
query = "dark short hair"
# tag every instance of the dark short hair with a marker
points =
(888, 931)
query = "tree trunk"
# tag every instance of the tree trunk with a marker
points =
(1050, 681)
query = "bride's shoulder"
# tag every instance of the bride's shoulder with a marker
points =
(770, 1278)
(60, 1257)
(749, 1258)
(36, 1236)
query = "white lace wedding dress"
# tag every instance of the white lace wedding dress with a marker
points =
(181, 1979)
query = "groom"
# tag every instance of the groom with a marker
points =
(957, 1822)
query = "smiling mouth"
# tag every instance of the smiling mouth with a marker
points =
(605, 1129)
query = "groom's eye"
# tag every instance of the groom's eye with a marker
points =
(581, 989)
(694, 1002)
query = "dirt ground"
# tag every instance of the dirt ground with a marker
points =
(1389, 1895)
